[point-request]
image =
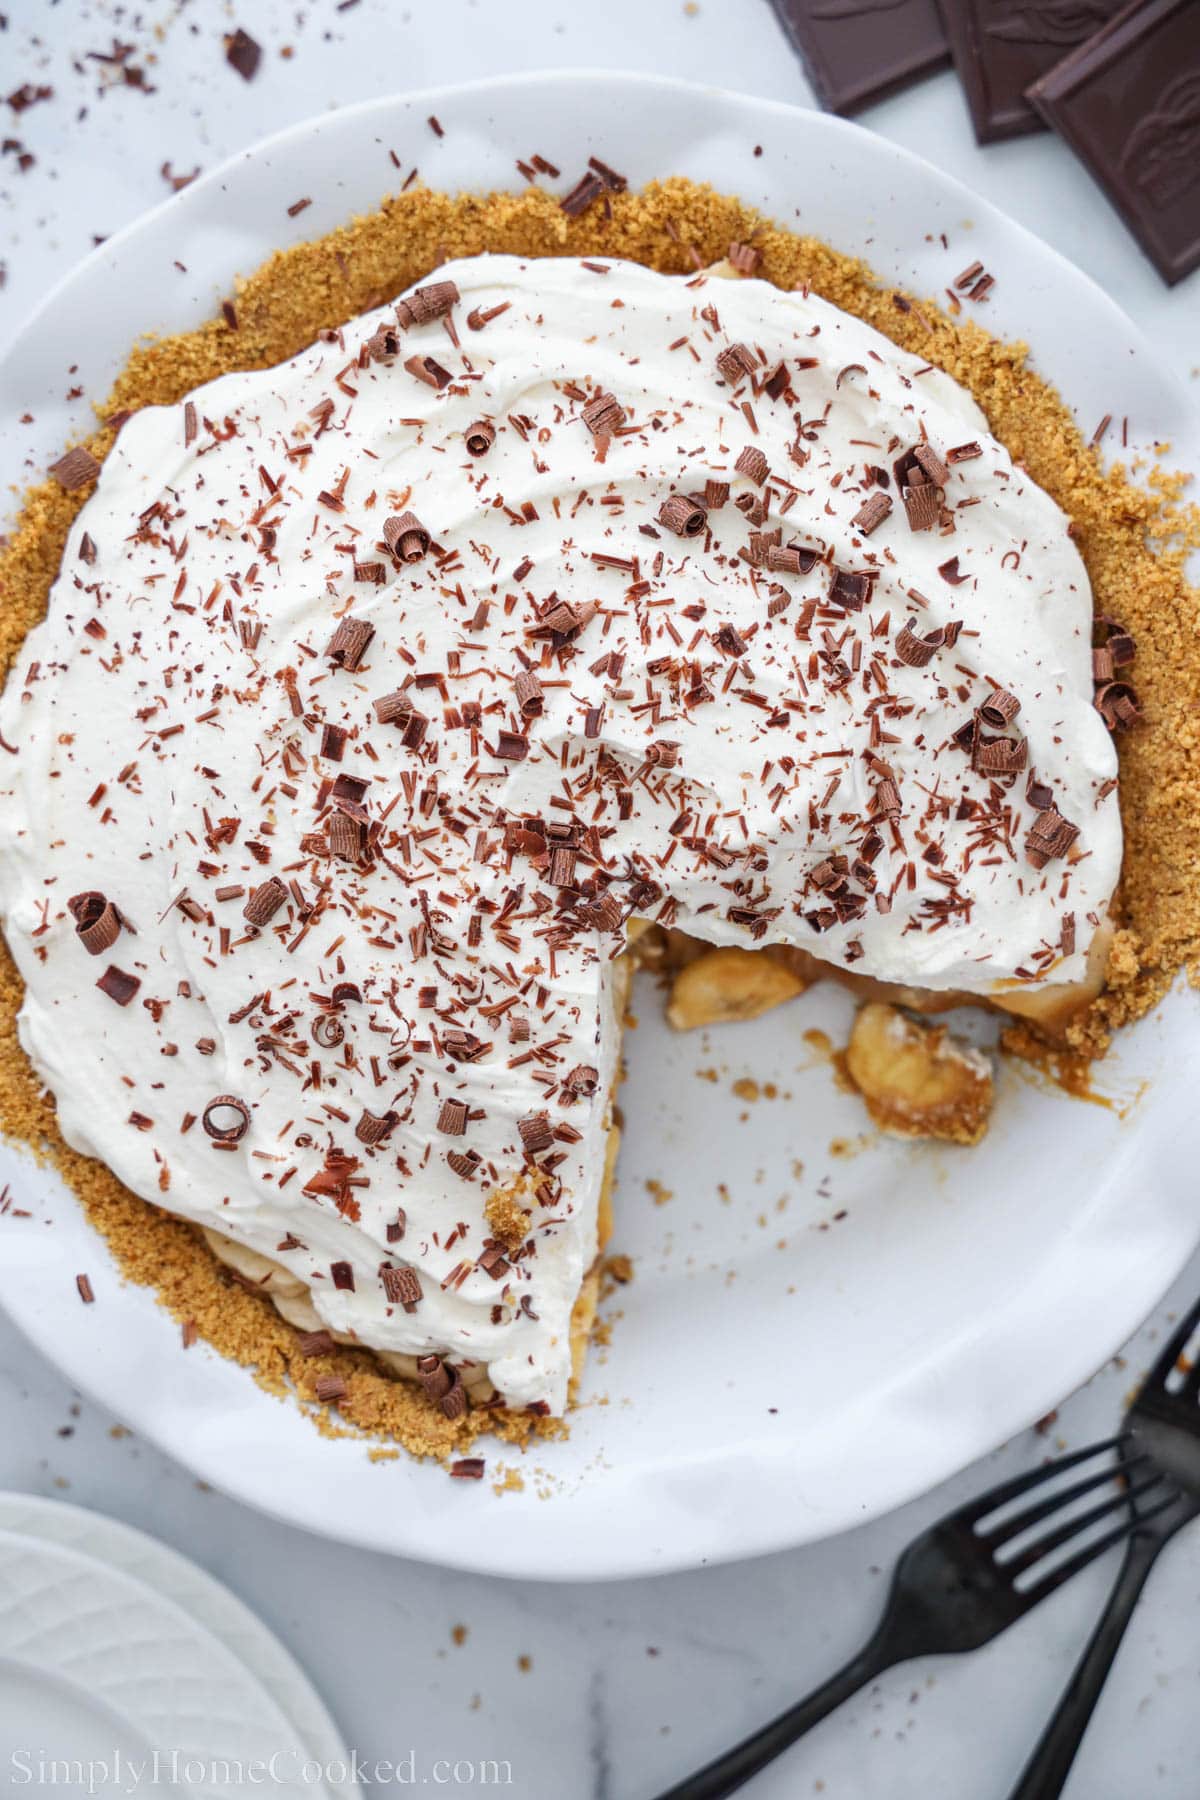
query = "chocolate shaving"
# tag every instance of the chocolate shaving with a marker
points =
(406, 537)
(75, 469)
(118, 984)
(949, 571)
(744, 258)
(226, 1131)
(428, 370)
(243, 54)
(716, 493)
(850, 588)
(330, 1387)
(468, 1468)
(343, 1276)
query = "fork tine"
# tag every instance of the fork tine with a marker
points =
(1012, 1528)
(1174, 1349)
(1030, 1596)
(1062, 1534)
(990, 1502)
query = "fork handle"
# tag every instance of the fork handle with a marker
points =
(736, 1766)
(1045, 1774)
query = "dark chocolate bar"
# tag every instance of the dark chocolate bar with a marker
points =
(1128, 103)
(1002, 46)
(859, 51)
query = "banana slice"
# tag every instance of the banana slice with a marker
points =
(917, 1080)
(729, 984)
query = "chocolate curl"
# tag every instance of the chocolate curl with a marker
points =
(405, 537)
(479, 437)
(435, 1378)
(227, 1131)
(918, 465)
(426, 369)
(75, 469)
(97, 921)
(1050, 836)
(743, 257)
(345, 837)
(1117, 705)
(383, 344)
(529, 693)
(372, 1130)
(327, 1032)
(871, 514)
(603, 415)
(265, 902)
(536, 1132)
(922, 506)
(394, 708)
(685, 517)
(349, 643)
(999, 756)
(753, 464)
(433, 301)
(735, 362)
(999, 707)
(917, 651)
(402, 1287)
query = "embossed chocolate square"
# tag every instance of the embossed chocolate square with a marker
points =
(858, 51)
(1001, 47)
(1128, 103)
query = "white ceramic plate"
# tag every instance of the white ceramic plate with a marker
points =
(154, 1566)
(100, 1671)
(812, 1337)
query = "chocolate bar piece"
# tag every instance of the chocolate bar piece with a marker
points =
(1002, 46)
(859, 51)
(1128, 103)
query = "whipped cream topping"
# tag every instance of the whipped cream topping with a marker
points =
(371, 797)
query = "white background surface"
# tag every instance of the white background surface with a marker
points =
(629, 1684)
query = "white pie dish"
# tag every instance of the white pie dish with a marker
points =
(954, 1303)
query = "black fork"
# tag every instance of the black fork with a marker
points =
(955, 1589)
(1163, 1436)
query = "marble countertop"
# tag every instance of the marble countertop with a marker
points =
(605, 1692)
